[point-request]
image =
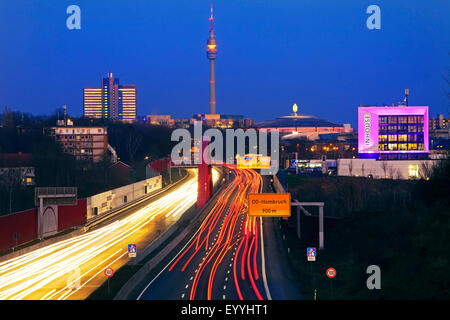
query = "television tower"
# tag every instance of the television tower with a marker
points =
(211, 53)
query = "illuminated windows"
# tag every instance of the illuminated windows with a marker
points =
(392, 146)
(413, 171)
(404, 136)
(392, 137)
(392, 119)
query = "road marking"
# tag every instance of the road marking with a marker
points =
(44, 297)
(179, 252)
(263, 260)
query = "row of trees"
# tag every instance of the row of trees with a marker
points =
(19, 132)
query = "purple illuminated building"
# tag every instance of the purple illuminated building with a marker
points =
(393, 133)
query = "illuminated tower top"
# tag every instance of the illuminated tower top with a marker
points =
(211, 50)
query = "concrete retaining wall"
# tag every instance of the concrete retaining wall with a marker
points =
(393, 169)
(101, 203)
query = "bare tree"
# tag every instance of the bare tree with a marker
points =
(10, 179)
(399, 174)
(391, 172)
(425, 169)
(133, 143)
(350, 167)
(385, 167)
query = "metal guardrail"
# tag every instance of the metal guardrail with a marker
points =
(40, 191)
(56, 195)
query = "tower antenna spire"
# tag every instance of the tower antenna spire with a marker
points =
(211, 18)
(211, 53)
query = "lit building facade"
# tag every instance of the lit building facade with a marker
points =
(439, 123)
(224, 121)
(393, 133)
(297, 126)
(160, 120)
(84, 143)
(111, 101)
(17, 166)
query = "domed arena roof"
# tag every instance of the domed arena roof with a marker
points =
(297, 121)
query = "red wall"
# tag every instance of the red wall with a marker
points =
(24, 223)
(160, 165)
(71, 216)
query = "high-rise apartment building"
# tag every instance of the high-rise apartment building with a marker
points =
(84, 143)
(111, 101)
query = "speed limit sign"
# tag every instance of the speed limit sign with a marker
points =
(331, 273)
(109, 272)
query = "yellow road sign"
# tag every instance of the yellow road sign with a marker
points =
(253, 161)
(269, 204)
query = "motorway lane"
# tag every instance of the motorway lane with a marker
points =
(283, 284)
(223, 259)
(73, 268)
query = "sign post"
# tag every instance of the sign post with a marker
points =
(109, 272)
(331, 273)
(16, 238)
(311, 253)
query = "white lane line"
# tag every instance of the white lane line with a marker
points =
(263, 260)
(48, 294)
(179, 252)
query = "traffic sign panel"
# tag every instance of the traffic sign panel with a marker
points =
(331, 273)
(132, 249)
(269, 204)
(109, 272)
(311, 254)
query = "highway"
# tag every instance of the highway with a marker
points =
(224, 258)
(74, 268)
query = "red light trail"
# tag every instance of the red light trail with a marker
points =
(230, 234)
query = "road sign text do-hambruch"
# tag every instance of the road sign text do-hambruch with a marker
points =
(269, 204)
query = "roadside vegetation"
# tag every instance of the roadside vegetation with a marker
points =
(401, 226)
(135, 144)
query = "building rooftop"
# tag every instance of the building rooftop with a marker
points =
(15, 160)
(297, 121)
